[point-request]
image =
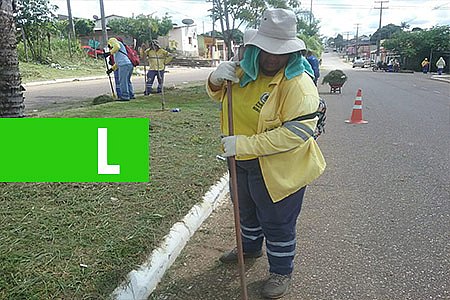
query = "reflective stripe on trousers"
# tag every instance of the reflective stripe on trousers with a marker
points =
(151, 74)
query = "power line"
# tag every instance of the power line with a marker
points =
(364, 7)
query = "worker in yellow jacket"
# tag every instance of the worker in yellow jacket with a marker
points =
(122, 68)
(425, 64)
(157, 58)
(276, 155)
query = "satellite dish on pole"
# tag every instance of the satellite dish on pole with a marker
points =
(95, 17)
(187, 21)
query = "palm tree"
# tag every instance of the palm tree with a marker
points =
(404, 25)
(11, 90)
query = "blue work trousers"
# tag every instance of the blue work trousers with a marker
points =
(126, 87)
(151, 78)
(261, 218)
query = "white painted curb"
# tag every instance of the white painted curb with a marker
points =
(35, 83)
(140, 283)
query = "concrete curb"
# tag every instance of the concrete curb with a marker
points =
(35, 83)
(136, 72)
(140, 283)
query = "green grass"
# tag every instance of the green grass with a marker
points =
(86, 66)
(79, 240)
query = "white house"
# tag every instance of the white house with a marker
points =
(183, 39)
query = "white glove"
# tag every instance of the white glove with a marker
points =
(229, 145)
(225, 71)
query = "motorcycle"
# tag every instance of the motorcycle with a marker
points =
(380, 66)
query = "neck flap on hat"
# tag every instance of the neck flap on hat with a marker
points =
(296, 65)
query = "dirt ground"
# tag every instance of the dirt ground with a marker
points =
(197, 272)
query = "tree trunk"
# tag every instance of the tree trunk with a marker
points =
(11, 91)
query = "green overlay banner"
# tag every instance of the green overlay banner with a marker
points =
(74, 150)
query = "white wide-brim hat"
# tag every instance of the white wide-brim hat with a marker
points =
(277, 33)
(249, 34)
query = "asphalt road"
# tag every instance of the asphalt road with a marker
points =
(376, 224)
(55, 96)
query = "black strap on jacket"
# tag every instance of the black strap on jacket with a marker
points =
(305, 117)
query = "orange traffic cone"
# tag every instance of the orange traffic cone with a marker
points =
(356, 117)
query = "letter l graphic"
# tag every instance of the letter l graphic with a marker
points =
(103, 167)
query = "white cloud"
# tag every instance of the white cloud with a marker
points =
(342, 16)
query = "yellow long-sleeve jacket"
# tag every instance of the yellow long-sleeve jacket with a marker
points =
(157, 60)
(289, 157)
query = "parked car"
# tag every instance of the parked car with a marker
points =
(91, 52)
(361, 63)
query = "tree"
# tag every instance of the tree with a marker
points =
(385, 32)
(404, 25)
(304, 25)
(84, 26)
(339, 42)
(142, 28)
(313, 43)
(11, 90)
(237, 35)
(37, 20)
(252, 11)
(227, 12)
(415, 45)
(233, 13)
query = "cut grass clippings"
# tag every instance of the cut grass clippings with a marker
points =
(80, 240)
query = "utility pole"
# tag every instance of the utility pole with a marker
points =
(213, 35)
(357, 39)
(346, 45)
(104, 32)
(71, 27)
(310, 14)
(379, 26)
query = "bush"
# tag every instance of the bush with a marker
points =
(55, 52)
(335, 77)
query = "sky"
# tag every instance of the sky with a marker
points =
(336, 16)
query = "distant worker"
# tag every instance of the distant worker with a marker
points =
(124, 66)
(314, 62)
(425, 65)
(396, 65)
(158, 58)
(440, 64)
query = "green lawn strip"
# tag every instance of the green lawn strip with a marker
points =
(79, 240)
(84, 67)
